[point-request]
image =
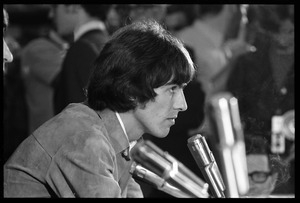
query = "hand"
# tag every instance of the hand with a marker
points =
(234, 48)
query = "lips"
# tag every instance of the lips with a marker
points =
(172, 120)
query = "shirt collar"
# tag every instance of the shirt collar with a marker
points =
(131, 144)
(92, 25)
(117, 133)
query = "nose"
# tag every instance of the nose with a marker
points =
(180, 102)
(7, 56)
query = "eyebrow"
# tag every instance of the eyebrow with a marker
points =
(183, 85)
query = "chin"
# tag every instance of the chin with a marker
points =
(161, 134)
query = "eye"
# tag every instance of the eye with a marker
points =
(173, 89)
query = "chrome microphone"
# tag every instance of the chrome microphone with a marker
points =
(173, 172)
(228, 138)
(141, 173)
(207, 164)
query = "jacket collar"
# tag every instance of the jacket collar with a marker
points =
(92, 25)
(117, 136)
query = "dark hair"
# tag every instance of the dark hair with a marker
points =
(97, 10)
(139, 57)
(256, 144)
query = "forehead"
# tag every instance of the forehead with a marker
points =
(257, 162)
(5, 18)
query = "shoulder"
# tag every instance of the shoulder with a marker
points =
(77, 125)
(75, 117)
(90, 42)
(38, 42)
(38, 46)
(94, 36)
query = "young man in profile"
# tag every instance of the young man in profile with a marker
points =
(136, 87)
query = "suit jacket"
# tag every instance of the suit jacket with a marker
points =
(41, 61)
(76, 68)
(78, 153)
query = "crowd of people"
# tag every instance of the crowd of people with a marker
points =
(94, 79)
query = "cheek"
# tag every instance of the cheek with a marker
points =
(155, 112)
(154, 119)
(160, 106)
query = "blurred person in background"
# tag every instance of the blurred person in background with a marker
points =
(179, 16)
(207, 36)
(136, 87)
(266, 170)
(147, 11)
(87, 22)
(41, 61)
(216, 41)
(263, 81)
(15, 127)
(117, 17)
(120, 15)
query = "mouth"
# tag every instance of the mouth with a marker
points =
(172, 120)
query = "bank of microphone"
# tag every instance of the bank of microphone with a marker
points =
(228, 144)
(146, 176)
(164, 171)
(207, 164)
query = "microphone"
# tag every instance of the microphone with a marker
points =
(141, 173)
(227, 134)
(207, 164)
(170, 170)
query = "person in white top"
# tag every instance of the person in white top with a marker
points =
(216, 38)
(207, 38)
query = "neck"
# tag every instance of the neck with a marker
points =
(133, 130)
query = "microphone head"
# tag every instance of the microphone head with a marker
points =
(207, 164)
